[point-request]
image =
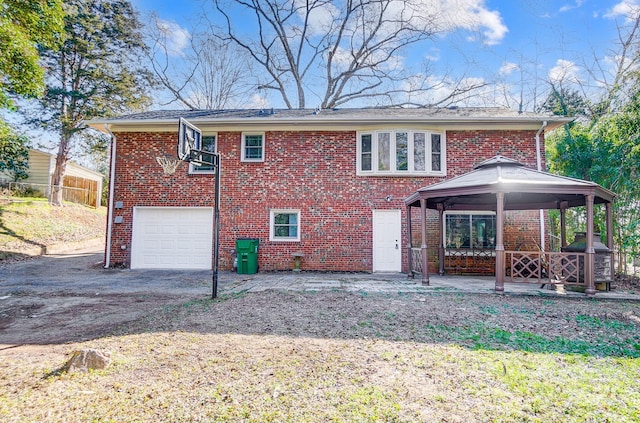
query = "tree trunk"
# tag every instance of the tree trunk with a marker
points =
(57, 179)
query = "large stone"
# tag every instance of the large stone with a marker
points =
(87, 359)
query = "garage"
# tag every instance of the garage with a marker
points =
(172, 238)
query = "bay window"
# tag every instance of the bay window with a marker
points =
(400, 152)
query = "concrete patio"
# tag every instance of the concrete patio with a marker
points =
(233, 283)
(81, 271)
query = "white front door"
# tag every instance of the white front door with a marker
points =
(387, 251)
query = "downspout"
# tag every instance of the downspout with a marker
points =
(112, 174)
(539, 163)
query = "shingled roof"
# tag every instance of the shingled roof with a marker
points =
(524, 188)
(337, 116)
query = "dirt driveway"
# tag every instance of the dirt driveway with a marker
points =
(64, 298)
(71, 297)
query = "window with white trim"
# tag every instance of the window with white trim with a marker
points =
(470, 230)
(401, 152)
(284, 225)
(252, 149)
(208, 144)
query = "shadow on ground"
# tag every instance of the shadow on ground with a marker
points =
(71, 298)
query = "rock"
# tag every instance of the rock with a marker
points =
(87, 359)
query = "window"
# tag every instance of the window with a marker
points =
(470, 230)
(400, 153)
(365, 152)
(252, 147)
(208, 144)
(284, 225)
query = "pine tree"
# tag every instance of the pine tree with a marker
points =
(25, 24)
(96, 72)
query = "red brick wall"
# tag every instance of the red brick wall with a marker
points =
(311, 171)
(465, 149)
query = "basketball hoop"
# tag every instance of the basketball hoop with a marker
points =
(169, 166)
(190, 150)
(189, 139)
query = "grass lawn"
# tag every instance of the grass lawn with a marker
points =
(33, 222)
(346, 357)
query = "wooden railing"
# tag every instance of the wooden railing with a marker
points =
(462, 260)
(520, 266)
(543, 267)
(470, 260)
(416, 260)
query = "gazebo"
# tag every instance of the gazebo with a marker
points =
(501, 184)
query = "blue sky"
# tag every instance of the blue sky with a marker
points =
(515, 45)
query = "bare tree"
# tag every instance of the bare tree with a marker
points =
(340, 51)
(208, 73)
(616, 79)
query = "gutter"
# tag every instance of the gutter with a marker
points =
(539, 165)
(112, 175)
(346, 121)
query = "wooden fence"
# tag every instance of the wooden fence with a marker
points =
(80, 190)
(76, 190)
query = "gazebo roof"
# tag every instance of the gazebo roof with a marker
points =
(524, 189)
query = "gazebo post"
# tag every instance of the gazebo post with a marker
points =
(609, 209)
(563, 223)
(409, 244)
(423, 246)
(500, 255)
(441, 245)
(590, 251)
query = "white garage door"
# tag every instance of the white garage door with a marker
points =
(172, 238)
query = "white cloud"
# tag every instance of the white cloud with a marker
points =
(613, 63)
(176, 38)
(320, 18)
(342, 57)
(472, 15)
(442, 16)
(626, 8)
(569, 7)
(342, 60)
(564, 71)
(433, 55)
(508, 68)
(258, 102)
(440, 88)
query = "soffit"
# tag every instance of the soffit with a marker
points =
(333, 119)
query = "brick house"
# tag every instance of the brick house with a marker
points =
(328, 183)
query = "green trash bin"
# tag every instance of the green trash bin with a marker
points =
(247, 254)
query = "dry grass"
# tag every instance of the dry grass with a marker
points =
(32, 223)
(338, 357)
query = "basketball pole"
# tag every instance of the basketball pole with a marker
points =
(189, 138)
(216, 236)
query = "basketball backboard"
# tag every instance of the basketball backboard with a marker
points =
(204, 158)
(189, 138)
